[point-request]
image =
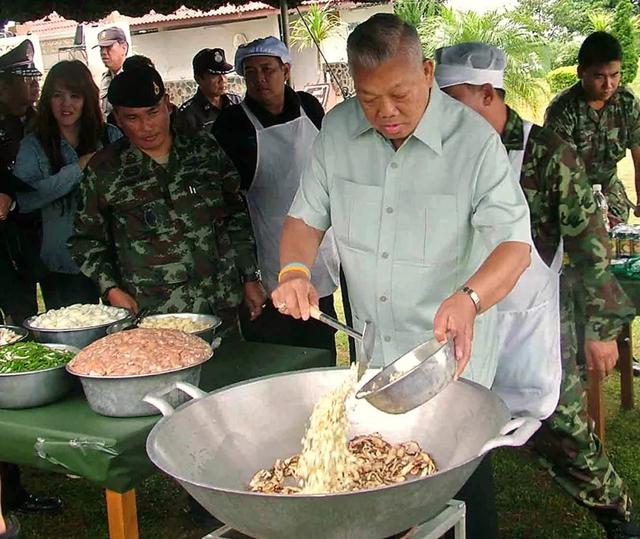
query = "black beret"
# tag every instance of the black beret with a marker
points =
(137, 87)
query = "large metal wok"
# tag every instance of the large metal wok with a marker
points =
(214, 444)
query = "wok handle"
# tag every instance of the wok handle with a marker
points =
(154, 398)
(514, 433)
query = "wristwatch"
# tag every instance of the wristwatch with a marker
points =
(252, 277)
(473, 295)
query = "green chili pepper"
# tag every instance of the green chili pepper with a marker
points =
(31, 356)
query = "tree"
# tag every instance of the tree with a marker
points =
(525, 50)
(315, 26)
(415, 12)
(624, 30)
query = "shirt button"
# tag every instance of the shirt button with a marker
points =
(383, 298)
(385, 255)
(389, 209)
(394, 165)
(387, 339)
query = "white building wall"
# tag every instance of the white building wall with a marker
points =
(173, 50)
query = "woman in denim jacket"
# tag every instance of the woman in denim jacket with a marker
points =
(68, 130)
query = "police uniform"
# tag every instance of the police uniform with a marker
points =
(177, 237)
(106, 38)
(20, 233)
(198, 112)
(19, 256)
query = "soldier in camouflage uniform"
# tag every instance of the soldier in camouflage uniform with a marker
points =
(601, 120)
(562, 208)
(162, 223)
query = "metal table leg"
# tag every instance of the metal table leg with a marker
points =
(452, 516)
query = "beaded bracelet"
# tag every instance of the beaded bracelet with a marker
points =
(295, 266)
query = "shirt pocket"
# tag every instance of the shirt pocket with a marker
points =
(143, 218)
(355, 214)
(427, 230)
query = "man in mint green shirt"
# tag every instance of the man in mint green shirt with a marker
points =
(420, 194)
(431, 226)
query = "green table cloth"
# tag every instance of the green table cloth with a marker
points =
(67, 436)
(632, 289)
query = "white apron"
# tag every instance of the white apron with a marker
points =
(529, 357)
(283, 152)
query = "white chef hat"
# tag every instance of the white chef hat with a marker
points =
(268, 46)
(470, 63)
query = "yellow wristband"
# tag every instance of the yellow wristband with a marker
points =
(294, 267)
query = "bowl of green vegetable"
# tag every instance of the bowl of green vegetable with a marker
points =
(33, 374)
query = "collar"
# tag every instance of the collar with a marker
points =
(428, 130)
(513, 135)
(291, 110)
(204, 102)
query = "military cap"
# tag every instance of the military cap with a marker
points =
(137, 87)
(470, 63)
(19, 61)
(109, 36)
(211, 61)
(268, 46)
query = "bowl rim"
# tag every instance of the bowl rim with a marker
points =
(366, 393)
(52, 345)
(28, 324)
(215, 319)
(23, 332)
(129, 376)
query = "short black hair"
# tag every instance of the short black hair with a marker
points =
(9, 78)
(599, 48)
(137, 60)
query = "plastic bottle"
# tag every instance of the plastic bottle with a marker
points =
(601, 202)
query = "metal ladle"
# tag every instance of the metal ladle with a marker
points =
(366, 339)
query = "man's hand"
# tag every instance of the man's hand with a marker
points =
(119, 298)
(455, 317)
(83, 160)
(601, 356)
(636, 211)
(294, 295)
(255, 297)
(5, 205)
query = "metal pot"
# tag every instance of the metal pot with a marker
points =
(79, 337)
(207, 334)
(22, 332)
(36, 388)
(214, 444)
(121, 396)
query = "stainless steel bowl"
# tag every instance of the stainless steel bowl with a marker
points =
(121, 396)
(24, 333)
(207, 334)
(412, 379)
(78, 337)
(36, 388)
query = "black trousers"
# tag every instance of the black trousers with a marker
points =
(13, 493)
(17, 290)
(479, 495)
(275, 328)
(64, 289)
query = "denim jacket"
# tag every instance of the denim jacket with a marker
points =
(50, 196)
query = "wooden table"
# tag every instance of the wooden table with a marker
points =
(625, 366)
(68, 437)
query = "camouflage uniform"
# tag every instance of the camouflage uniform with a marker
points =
(105, 82)
(178, 239)
(562, 208)
(600, 137)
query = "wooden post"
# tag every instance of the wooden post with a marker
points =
(122, 514)
(595, 402)
(625, 363)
